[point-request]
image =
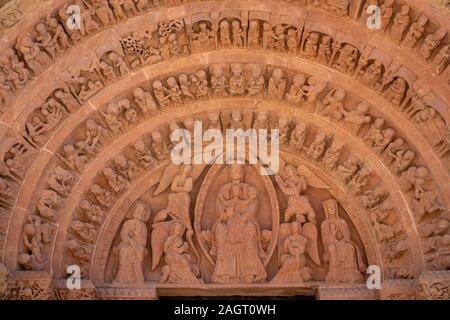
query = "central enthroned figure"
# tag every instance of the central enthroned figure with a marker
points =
(236, 235)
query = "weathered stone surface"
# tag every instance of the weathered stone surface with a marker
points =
(86, 177)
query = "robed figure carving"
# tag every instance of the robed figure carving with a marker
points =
(341, 253)
(168, 236)
(133, 247)
(236, 236)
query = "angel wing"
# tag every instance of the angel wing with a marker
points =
(159, 236)
(171, 171)
(312, 179)
(168, 174)
(309, 231)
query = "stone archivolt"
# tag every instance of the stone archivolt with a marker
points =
(358, 184)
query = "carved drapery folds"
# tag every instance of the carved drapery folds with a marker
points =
(362, 176)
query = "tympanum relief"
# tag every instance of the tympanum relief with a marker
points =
(250, 233)
(86, 119)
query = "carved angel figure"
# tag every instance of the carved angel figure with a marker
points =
(167, 240)
(236, 237)
(341, 254)
(168, 235)
(132, 248)
(291, 255)
(293, 185)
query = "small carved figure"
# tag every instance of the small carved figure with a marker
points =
(317, 147)
(325, 50)
(132, 250)
(347, 59)
(126, 167)
(143, 154)
(387, 11)
(256, 82)
(61, 181)
(296, 94)
(401, 23)
(293, 268)
(341, 254)
(162, 94)
(358, 117)
(85, 231)
(48, 204)
(93, 213)
(397, 91)
(218, 82)
(333, 104)
(103, 196)
(254, 34)
(330, 160)
(372, 75)
(225, 34)
(415, 32)
(276, 85)
(311, 45)
(159, 147)
(237, 81)
(116, 182)
(432, 41)
(441, 60)
(298, 136)
(347, 170)
(236, 121)
(238, 34)
(204, 37)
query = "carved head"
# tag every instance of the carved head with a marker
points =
(236, 69)
(186, 170)
(378, 123)
(157, 85)
(256, 71)
(156, 136)
(254, 25)
(277, 74)
(139, 145)
(224, 25)
(171, 82)
(72, 245)
(405, 10)
(237, 173)
(183, 78)
(236, 24)
(201, 74)
(213, 117)
(41, 28)
(138, 92)
(217, 71)
(140, 211)
(331, 208)
(85, 205)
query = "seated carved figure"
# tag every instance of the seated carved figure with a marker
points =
(347, 59)
(293, 268)
(342, 255)
(298, 136)
(397, 91)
